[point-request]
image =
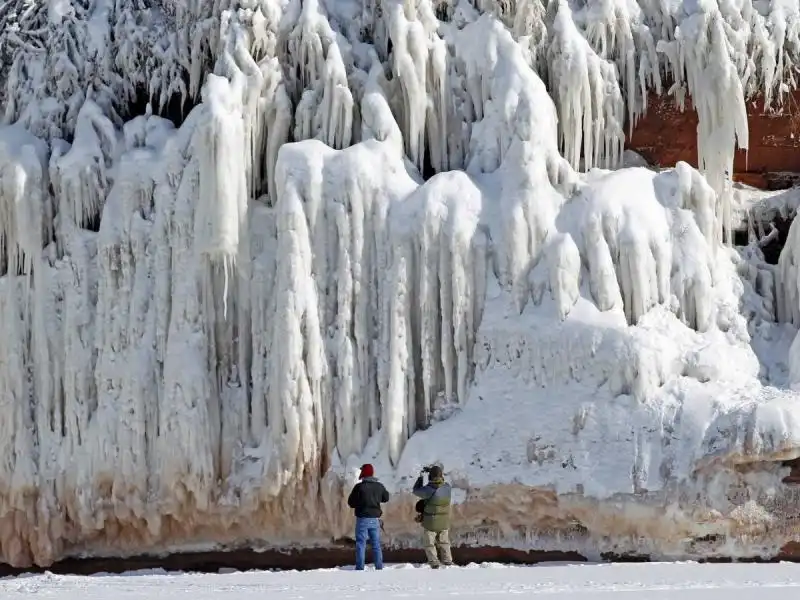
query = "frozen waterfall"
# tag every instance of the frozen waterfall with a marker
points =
(246, 246)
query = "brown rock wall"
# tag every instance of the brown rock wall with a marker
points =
(339, 555)
(666, 135)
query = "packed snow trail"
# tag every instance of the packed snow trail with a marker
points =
(484, 582)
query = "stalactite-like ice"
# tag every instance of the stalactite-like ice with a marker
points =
(206, 326)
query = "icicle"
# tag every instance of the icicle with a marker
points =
(395, 413)
(587, 95)
(788, 278)
(23, 199)
(223, 184)
(410, 67)
(706, 60)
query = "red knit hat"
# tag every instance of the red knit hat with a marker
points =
(366, 471)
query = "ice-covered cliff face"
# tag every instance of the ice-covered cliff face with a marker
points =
(206, 327)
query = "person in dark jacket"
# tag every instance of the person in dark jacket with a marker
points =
(435, 517)
(366, 499)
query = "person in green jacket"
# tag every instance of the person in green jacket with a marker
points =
(435, 508)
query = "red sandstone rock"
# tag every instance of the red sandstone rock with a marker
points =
(665, 135)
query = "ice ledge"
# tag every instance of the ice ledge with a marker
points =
(733, 514)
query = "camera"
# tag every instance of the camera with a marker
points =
(426, 469)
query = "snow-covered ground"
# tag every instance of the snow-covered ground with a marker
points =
(475, 582)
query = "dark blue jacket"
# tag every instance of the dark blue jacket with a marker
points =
(366, 498)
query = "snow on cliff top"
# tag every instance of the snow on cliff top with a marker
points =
(247, 246)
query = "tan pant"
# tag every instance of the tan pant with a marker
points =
(434, 542)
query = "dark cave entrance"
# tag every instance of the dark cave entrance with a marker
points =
(175, 110)
(776, 221)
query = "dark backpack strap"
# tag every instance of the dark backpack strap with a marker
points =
(421, 504)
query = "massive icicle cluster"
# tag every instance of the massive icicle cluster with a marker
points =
(205, 325)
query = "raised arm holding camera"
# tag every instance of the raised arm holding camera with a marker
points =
(433, 510)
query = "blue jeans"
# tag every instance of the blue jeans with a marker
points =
(368, 528)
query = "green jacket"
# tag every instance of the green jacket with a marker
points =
(436, 514)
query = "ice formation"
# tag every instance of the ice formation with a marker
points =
(246, 246)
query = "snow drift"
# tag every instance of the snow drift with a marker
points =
(246, 246)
